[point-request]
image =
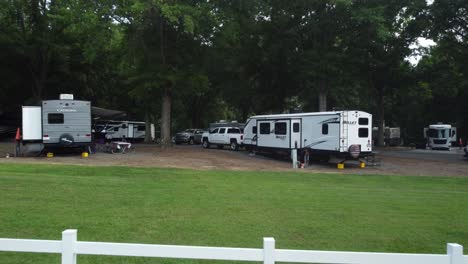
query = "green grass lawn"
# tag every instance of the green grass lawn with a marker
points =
(227, 208)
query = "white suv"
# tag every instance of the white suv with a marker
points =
(221, 136)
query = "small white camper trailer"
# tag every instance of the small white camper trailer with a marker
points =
(440, 136)
(130, 130)
(342, 134)
(58, 123)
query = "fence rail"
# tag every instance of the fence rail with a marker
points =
(69, 247)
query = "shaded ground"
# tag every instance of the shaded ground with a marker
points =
(394, 161)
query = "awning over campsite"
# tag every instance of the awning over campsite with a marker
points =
(102, 113)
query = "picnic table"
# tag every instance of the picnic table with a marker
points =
(120, 146)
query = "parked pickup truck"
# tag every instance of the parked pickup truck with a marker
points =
(221, 136)
(189, 136)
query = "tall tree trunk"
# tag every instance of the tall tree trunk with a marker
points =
(195, 110)
(322, 96)
(166, 117)
(148, 136)
(381, 118)
(167, 93)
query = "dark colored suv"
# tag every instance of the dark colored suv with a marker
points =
(190, 136)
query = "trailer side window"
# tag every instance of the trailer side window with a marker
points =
(254, 130)
(296, 127)
(141, 128)
(363, 121)
(324, 129)
(265, 128)
(280, 128)
(55, 118)
(363, 132)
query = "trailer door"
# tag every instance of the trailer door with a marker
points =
(296, 133)
(131, 131)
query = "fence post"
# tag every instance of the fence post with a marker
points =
(455, 253)
(268, 250)
(69, 238)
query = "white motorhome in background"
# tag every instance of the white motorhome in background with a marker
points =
(131, 130)
(58, 123)
(342, 134)
(440, 136)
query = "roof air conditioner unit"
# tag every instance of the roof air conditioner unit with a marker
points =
(66, 96)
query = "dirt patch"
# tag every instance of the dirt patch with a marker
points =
(194, 157)
(183, 156)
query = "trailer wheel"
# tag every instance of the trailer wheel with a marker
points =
(234, 146)
(206, 144)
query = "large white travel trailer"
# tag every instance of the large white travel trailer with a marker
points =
(342, 134)
(58, 123)
(440, 136)
(131, 130)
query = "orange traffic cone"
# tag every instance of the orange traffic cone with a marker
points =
(18, 134)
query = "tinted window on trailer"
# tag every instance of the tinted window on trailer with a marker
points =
(141, 128)
(265, 128)
(233, 131)
(254, 130)
(55, 118)
(280, 128)
(363, 132)
(363, 121)
(296, 127)
(222, 131)
(325, 129)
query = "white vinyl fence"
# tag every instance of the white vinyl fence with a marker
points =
(70, 247)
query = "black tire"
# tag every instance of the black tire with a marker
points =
(220, 146)
(191, 141)
(206, 144)
(234, 146)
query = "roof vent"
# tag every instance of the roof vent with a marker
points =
(66, 96)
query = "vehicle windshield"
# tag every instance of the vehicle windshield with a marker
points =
(438, 133)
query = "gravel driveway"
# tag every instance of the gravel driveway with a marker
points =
(395, 161)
